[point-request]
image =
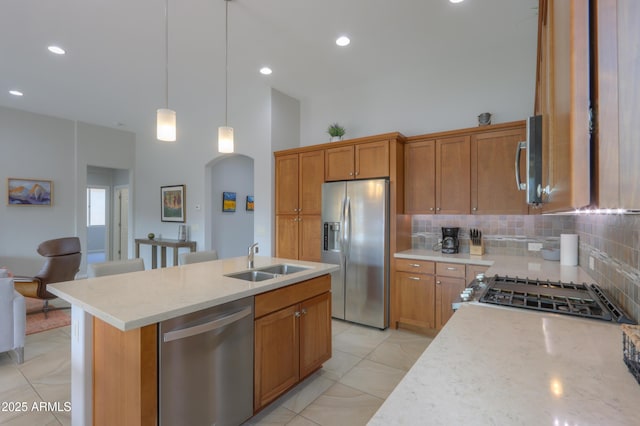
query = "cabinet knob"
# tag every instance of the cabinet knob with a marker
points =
(297, 314)
(357, 173)
(304, 311)
(350, 173)
(437, 208)
(431, 208)
(299, 219)
(438, 282)
(474, 209)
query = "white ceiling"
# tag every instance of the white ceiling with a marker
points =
(113, 71)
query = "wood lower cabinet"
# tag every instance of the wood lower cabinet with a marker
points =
(360, 161)
(292, 336)
(447, 290)
(423, 291)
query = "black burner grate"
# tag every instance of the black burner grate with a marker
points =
(582, 300)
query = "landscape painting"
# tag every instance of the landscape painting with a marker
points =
(228, 201)
(250, 203)
(172, 208)
(29, 192)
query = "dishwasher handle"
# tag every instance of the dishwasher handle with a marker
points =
(207, 326)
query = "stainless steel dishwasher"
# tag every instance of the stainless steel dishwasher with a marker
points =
(206, 366)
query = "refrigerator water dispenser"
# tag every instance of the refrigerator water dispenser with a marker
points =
(332, 236)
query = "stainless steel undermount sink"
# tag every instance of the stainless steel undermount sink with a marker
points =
(282, 269)
(267, 272)
(252, 275)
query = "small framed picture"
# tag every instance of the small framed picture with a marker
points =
(249, 203)
(29, 192)
(173, 203)
(228, 201)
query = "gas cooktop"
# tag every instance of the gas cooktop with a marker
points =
(583, 300)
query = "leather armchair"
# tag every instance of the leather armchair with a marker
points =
(13, 319)
(62, 264)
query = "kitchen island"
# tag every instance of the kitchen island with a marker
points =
(118, 315)
(492, 365)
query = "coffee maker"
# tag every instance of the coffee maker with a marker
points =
(450, 240)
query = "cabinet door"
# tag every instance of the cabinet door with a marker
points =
(287, 236)
(338, 163)
(372, 160)
(493, 182)
(276, 355)
(311, 179)
(447, 290)
(310, 239)
(287, 184)
(562, 98)
(415, 300)
(473, 270)
(315, 333)
(420, 177)
(453, 175)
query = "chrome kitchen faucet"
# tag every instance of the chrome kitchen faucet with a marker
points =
(253, 249)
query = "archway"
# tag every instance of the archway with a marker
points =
(229, 232)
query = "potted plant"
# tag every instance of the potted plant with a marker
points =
(336, 132)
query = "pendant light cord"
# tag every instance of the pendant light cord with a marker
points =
(166, 54)
(226, 60)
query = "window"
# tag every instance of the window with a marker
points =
(96, 206)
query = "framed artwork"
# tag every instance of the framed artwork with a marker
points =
(228, 201)
(172, 208)
(29, 192)
(249, 203)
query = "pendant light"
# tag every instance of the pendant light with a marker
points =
(225, 133)
(166, 118)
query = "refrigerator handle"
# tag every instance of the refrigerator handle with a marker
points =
(347, 227)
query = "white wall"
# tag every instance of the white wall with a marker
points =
(42, 147)
(496, 75)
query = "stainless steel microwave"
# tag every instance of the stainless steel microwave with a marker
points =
(533, 149)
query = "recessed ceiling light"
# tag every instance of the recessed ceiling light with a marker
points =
(57, 50)
(456, 1)
(265, 70)
(16, 92)
(343, 41)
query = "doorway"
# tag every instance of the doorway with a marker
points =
(97, 224)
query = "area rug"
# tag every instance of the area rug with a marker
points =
(36, 322)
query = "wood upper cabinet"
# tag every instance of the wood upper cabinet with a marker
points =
(562, 98)
(420, 177)
(359, 161)
(493, 182)
(453, 175)
(292, 336)
(615, 100)
(299, 179)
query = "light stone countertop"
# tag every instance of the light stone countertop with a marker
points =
(133, 300)
(504, 366)
(521, 266)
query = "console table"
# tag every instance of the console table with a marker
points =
(163, 243)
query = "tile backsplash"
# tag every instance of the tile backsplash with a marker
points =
(501, 234)
(613, 241)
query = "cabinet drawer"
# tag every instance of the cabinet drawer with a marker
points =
(415, 266)
(274, 300)
(454, 270)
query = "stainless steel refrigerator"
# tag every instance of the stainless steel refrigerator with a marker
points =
(355, 219)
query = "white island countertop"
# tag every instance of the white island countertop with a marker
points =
(505, 366)
(136, 299)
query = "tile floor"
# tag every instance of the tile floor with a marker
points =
(366, 365)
